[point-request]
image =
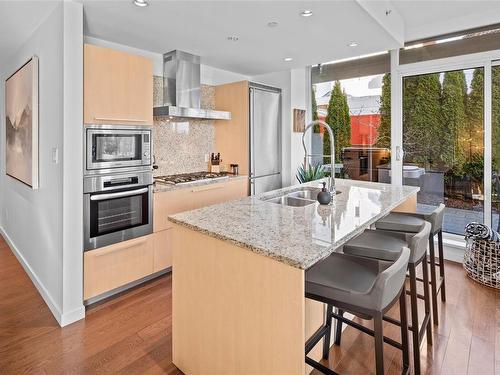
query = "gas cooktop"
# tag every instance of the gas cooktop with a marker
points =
(187, 178)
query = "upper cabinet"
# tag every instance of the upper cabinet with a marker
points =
(118, 87)
(231, 136)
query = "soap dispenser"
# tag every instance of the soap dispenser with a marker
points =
(324, 196)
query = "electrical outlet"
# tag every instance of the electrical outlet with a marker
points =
(207, 158)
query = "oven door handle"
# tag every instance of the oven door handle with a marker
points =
(121, 194)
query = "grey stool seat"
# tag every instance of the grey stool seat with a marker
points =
(378, 244)
(399, 222)
(407, 222)
(410, 222)
(385, 247)
(365, 287)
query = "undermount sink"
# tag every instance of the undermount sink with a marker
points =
(287, 200)
(298, 198)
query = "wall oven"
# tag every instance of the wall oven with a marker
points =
(117, 208)
(112, 148)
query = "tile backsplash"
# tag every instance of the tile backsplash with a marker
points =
(180, 144)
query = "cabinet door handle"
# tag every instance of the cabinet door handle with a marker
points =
(120, 248)
(119, 119)
(205, 188)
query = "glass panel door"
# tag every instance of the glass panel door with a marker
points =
(443, 142)
(495, 129)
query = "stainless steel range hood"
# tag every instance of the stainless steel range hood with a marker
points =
(182, 88)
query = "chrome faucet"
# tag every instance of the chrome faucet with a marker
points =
(331, 179)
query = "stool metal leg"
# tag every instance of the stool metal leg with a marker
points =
(427, 302)
(433, 280)
(441, 265)
(338, 331)
(379, 343)
(414, 318)
(404, 329)
(326, 340)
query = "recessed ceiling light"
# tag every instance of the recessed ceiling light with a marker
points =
(306, 13)
(353, 44)
(141, 3)
(233, 38)
(288, 59)
(272, 24)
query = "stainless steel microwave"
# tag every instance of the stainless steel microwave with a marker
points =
(114, 148)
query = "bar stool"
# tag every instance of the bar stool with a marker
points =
(365, 287)
(409, 223)
(383, 245)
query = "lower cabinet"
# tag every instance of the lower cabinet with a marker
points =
(162, 250)
(116, 265)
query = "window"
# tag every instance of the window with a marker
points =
(353, 97)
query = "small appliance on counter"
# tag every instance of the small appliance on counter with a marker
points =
(215, 161)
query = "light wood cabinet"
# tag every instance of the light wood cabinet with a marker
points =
(118, 87)
(116, 265)
(232, 136)
(162, 253)
(169, 203)
(113, 266)
(175, 201)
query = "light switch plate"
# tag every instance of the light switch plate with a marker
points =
(55, 155)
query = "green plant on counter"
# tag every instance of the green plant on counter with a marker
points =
(311, 173)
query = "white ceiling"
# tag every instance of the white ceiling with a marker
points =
(19, 19)
(202, 28)
(424, 18)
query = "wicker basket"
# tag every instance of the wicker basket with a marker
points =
(482, 262)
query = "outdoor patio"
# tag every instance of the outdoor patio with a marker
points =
(456, 219)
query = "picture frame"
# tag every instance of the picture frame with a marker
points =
(299, 120)
(22, 124)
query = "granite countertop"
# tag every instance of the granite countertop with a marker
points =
(297, 236)
(159, 187)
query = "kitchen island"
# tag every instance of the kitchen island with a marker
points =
(238, 279)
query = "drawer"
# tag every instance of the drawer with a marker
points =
(116, 265)
(169, 203)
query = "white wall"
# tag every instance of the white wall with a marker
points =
(32, 221)
(293, 85)
(72, 162)
(209, 75)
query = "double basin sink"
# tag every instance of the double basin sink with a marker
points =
(297, 198)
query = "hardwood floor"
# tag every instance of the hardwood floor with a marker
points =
(131, 334)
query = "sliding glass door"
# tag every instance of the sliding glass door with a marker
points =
(495, 143)
(443, 142)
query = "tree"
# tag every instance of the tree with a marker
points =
(339, 120)
(495, 120)
(453, 115)
(384, 129)
(421, 120)
(473, 136)
(314, 108)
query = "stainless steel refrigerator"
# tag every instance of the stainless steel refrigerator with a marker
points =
(265, 138)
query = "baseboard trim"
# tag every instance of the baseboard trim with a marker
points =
(35, 280)
(72, 316)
